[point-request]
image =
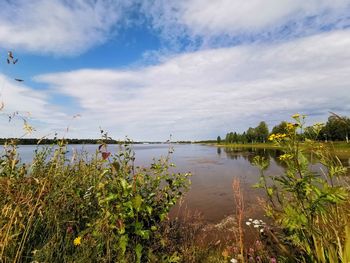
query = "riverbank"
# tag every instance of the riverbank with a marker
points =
(341, 149)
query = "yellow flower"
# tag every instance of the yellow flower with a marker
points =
(77, 241)
(295, 116)
(272, 137)
(277, 136)
(285, 156)
(290, 126)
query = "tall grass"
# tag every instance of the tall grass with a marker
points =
(91, 208)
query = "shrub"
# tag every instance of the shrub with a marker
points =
(311, 207)
(90, 208)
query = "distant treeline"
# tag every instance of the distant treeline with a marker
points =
(337, 128)
(33, 141)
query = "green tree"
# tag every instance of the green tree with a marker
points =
(227, 138)
(230, 137)
(337, 128)
(251, 135)
(262, 132)
(280, 128)
(218, 140)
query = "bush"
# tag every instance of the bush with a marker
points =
(92, 208)
(311, 207)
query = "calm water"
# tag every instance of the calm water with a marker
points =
(213, 171)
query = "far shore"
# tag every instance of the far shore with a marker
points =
(341, 149)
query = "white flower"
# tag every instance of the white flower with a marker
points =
(234, 260)
(262, 230)
(256, 222)
(248, 223)
(250, 219)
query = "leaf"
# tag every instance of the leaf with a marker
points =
(270, 191)
(137, 201)
(123, 242)
(138, 251)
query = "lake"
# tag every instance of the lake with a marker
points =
(213, 170)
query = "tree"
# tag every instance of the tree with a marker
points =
(230, 137)
(280, 128)
(251, 135)
(262, 132)
(227, 138)
(235, 137)
(218, 139)
(337, 128)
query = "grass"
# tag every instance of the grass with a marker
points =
(341, 149)
(101, 208)
(88, 208)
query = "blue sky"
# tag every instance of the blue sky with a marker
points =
(194, 69)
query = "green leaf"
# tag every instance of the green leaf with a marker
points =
(123, 242)
(137, 201)
(138, 251)
(270, 191)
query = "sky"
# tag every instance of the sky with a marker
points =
(194, 69)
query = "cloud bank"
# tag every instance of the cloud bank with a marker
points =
(62, 27)
(205, 93)
(243, 21)
(57, 26)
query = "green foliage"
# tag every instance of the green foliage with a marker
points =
(280, 128)
(337, 128)
(262, 132)
(312, 207)
(91, 208)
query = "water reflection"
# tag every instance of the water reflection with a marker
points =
(269, 154)
(213, 170)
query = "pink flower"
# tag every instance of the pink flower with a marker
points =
(105, 155)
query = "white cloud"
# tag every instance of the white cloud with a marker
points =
(234, 18)
(205, 93)
(29, 103)
(58, 26)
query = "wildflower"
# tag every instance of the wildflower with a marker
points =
(248, 223)
(70, 229)
(77, 241)
(262, 230)
(290, 126)
(105, 155)
(295, 116)
(277, 136)
(285, 156)
(273, 260)
(233, 260)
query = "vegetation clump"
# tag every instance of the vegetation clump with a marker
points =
(310, 205)
(85, 208)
